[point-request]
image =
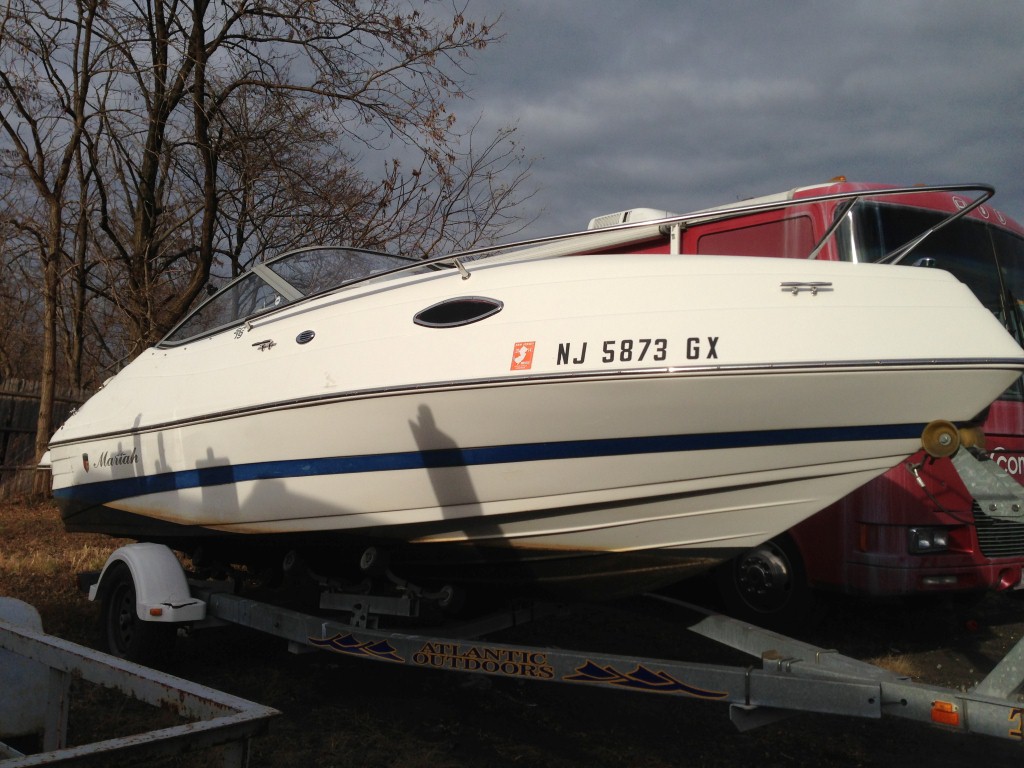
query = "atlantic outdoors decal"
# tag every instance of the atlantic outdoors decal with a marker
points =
(522, 355)
(635, 350)
(641, 679)
(510, 662)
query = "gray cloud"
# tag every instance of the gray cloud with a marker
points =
(680, 105)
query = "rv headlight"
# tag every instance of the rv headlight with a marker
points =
(923, 540)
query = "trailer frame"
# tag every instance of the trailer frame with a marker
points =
(215, 719)
(790, 676)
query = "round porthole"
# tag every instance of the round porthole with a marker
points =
(305, 337)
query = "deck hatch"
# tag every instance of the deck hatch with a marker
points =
(463, 310)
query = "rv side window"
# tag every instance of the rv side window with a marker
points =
(790, 238)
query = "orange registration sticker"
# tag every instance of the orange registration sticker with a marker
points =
(522, 355)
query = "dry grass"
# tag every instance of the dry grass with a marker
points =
(899, 664)
(39, 564)
(36, 544)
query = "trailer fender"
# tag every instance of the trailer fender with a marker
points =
(162, 593)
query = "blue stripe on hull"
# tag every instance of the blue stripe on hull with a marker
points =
(107, 491)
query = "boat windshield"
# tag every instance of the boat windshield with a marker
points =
(314, 271)
(986, 258)
(288, 278)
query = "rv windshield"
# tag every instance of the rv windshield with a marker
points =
(282, 281)
(986, 258)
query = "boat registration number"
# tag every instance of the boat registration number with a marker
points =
(637, 350)
(628, 350)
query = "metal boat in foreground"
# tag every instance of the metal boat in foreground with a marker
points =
(550, 415)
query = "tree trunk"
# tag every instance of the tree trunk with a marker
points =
(48, 371)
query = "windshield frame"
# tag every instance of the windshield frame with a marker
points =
(569, 244)
(288, 293)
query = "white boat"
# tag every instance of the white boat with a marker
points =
(548, 416)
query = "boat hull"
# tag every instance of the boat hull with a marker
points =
(588, 466)
(656, 488)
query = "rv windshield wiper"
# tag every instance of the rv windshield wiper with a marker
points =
(897, 255)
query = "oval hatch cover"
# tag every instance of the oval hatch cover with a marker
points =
(463, 310)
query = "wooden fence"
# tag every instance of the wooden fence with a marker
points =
(19, 409)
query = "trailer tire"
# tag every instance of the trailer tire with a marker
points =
(127, 636)
(767, 586)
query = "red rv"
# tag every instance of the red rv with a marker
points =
(916, 529)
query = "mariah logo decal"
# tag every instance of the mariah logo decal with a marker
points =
(108, 459)
(522, 355)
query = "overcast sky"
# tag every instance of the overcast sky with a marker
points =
(684, 104)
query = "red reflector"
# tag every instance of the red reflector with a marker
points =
(156, 611)
(945, 713)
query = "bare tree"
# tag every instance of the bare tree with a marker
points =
(44, 83)
(469, 202)
(295, 186)
(146, 143)
(286, 182)
(19, 311)
(361, 76)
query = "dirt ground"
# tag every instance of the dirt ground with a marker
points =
(339, 711)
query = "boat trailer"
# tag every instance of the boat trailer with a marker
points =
(792, 676)
(789, 677)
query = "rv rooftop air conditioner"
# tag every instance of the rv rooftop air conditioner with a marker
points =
(627, 217)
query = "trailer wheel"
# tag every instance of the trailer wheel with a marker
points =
(767, 586)
(128, 636)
